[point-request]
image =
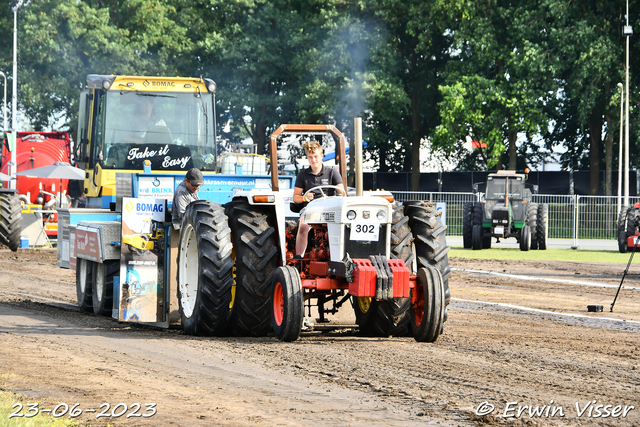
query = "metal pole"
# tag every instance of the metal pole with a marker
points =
(620, 148)
(357, 127)
(576, 210)
(14, 99)
(627, 31)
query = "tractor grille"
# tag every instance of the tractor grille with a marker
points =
(358, 249)
(500, 216)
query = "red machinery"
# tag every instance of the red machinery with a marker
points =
(34, 150)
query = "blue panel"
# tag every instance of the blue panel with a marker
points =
(107, 200)
(217, 188)
(75, 218)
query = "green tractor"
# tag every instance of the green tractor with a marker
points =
(506, 211)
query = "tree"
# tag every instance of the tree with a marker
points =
(587, 37)
(502, 82)
(255, 50)
(62, 42)
(409, 69)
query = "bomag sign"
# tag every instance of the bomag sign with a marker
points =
(159, 84)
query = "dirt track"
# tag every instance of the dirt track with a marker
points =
(505, 356)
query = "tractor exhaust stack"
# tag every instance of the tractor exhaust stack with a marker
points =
(357, 126)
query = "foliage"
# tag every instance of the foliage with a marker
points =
(501, 82)
(61, 42)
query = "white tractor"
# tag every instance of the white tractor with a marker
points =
(237, 274)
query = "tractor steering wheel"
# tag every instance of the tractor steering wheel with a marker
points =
(320, 187)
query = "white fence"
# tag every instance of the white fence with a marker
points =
(570, 217)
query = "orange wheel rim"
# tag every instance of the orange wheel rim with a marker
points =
(418, 309)
(278, 304)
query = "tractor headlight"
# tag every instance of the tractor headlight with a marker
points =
(351, 215)
(211, 85)
(106, 83)
(381, 215)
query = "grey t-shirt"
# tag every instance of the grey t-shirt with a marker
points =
(181, 199)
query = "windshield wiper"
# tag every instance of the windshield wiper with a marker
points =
(155, 95)
(128, 91)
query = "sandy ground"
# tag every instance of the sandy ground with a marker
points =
(519, 348)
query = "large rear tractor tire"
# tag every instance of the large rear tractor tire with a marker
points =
(205, 266)
(622, 230)
(631, 221)
(622, 242)
(84, 284)
(431, 244)
(391, 317)
(543, 226)
(532, 222)
(427, 312)
(382, 318)
(287, 304)
(256, 257)
(102, 286)
(626, 227)
(467, 225)
(525, 238)
(10, 220)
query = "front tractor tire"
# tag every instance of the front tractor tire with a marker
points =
(256, 257)
(428, 305)
(10, 220)
(205, 265)
(287, 304)
(542, 233)
(467, 225)
(478, 217)
(477, 239)
(525, 238)
(532, 222)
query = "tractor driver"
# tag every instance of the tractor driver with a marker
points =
(316, 174)
(186, 193)
(143, 119)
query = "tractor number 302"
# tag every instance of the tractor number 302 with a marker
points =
(365, 228)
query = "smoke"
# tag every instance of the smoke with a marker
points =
(356, 40)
